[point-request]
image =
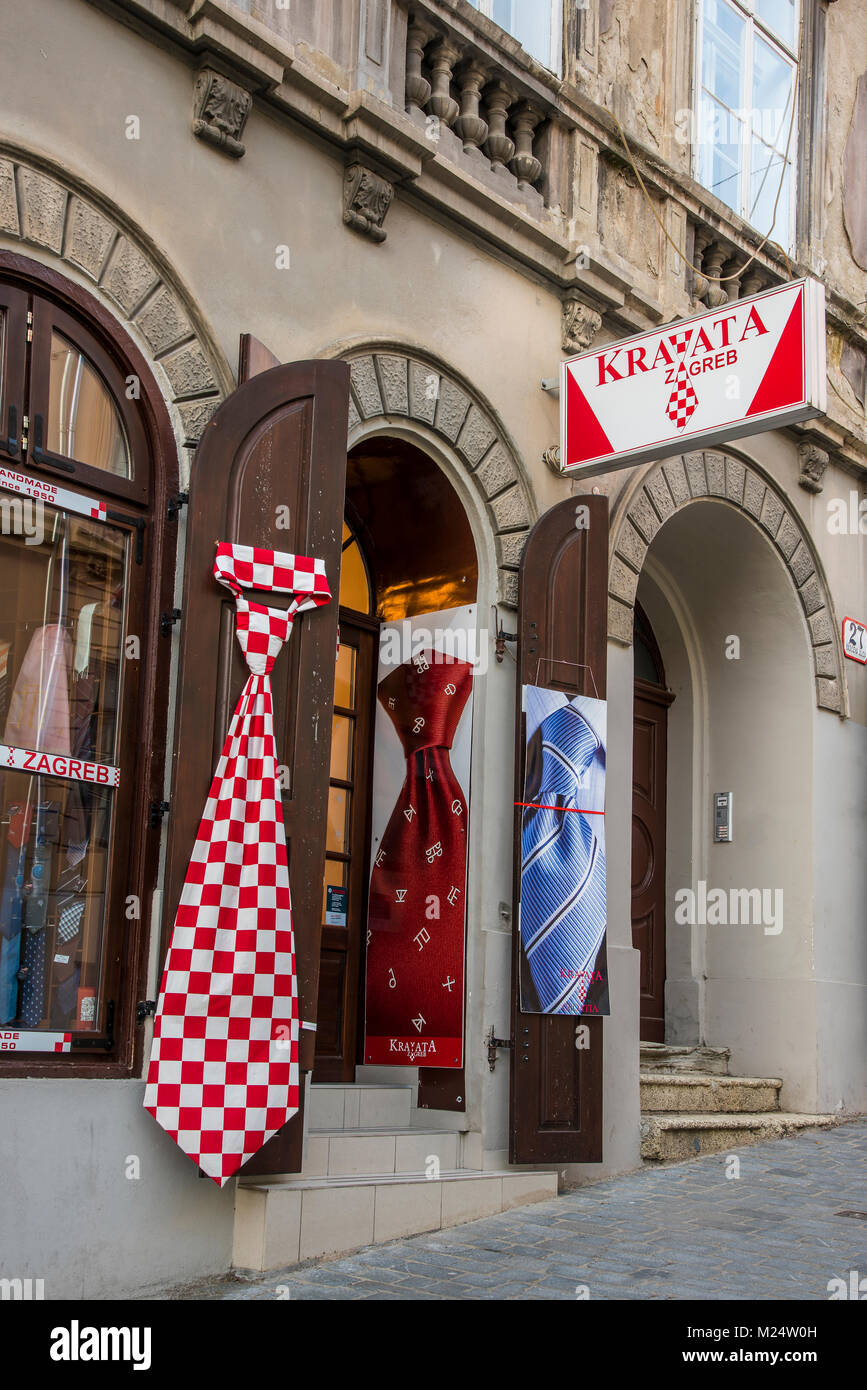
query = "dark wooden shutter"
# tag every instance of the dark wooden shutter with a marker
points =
(275, 450)
(556, 1090)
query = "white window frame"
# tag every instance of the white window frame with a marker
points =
(555, 57)
(747, 11)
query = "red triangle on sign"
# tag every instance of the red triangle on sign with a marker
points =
(585, 437)
(783, 382)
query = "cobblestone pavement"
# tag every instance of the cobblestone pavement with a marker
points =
(681, 1231)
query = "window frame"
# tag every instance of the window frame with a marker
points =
(135, 847)
(556, 58)
(794, 58)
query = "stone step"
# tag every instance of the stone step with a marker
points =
(712, 1061)
(365, 1106)
(685, 1136)
(688, 1093)
(279, 1224)
(354, 1152)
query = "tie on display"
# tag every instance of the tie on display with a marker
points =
(223, 1075)
(415, 953)
(562, 865)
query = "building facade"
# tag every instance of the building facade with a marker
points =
(448, 198)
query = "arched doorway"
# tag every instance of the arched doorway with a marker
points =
(408, 551)
(649, 775)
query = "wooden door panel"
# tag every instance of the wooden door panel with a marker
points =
(277, 443)
(556, 1088)
(649, 755)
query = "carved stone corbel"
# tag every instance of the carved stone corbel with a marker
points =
(813, 462)
(221, 109)
(366, 199)
(580, 325)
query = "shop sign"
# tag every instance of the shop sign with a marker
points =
(59, 765)
(26, 1040)
(750, 365)
(51, 494)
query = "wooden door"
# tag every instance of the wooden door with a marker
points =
(347, 846)
(649, 746)
(556, 1088)
(270, 471)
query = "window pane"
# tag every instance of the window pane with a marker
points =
(720, 151)
(61, 630)
(341, 747)
(765, 173)
(338, 819)
(530, 22)
(780, 16)
(53, 860)
(773, 81)
(354, 588)
(723, 53)
(83, 421)
(344, 678)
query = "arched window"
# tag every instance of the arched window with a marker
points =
(85, 458)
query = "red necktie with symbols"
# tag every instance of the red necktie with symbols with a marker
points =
(415, 948)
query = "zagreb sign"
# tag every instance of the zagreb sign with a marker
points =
(753, 364)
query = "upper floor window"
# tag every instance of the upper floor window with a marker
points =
(536, 24)
(746, 134)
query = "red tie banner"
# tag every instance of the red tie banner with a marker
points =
(223, 1075)
(416, 916)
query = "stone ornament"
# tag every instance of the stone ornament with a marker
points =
(366, 199)
(221, 108)
(580, 326)
(813, 462)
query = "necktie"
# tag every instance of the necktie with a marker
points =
(415, 952)
(223, 1075)
(562, 865)
(683, 401)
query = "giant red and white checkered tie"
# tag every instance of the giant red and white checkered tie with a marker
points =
(223, 1074)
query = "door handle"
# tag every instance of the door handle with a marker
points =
(12, 432)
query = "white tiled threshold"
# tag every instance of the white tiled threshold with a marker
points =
(370, 1175)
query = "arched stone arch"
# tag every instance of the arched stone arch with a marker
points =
(395, 384)
(44, 206)
(674, 483)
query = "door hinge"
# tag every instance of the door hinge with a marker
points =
(145, 1008)
(168, 620)
(175, 504)
(30, 325)
(158, 809)
(493, 1043)
(25, 429)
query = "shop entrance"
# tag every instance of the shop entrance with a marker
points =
(407, 550)
(649, 770)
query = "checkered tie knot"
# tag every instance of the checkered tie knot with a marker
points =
(223, 1075)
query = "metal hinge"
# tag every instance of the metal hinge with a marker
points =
(493, 1044)
(158, 809)
(145, 1008)
(168, 620)
(175, 504)
(30, 325)
(25, 428)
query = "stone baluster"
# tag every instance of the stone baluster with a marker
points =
(525, 166)
(700, 282)
(499, 148)
(732, 270)
(469, 124)
(417, 86)
(752, 282)
(442, 104)
(716, 296)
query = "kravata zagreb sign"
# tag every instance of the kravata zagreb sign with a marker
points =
(753, 364)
